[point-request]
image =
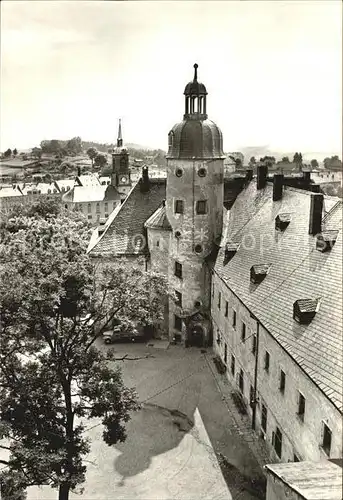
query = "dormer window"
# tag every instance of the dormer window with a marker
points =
(231, 249)
(282, 221)
(259, 272)
(304, 310)
(326, 240)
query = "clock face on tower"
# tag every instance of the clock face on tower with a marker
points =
(123, 179)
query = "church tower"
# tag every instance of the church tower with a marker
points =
(194, 208)
(121, 175)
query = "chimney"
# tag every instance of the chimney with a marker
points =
(262, 172)
(145, 181)
(277, 187)
(249, 174)
(78, 171)
(306, 176)
(316, 209)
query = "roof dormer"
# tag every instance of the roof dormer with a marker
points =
(282, 221)
(304, 310)
(259, 272)
(326, 240)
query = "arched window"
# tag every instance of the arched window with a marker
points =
(171, 139)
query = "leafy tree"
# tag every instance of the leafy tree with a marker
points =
(252, 161)
(298, 159)
(92, 153)
(8, 153)
(74, 145)
(53, 379)
(314, 163)
(36, 153)
(268, 160)
(100, 160)
(15, 152)
(285, 159)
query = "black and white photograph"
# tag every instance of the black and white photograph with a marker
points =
(171, 250)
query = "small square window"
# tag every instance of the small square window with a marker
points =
(266, 361)
(234, 319)
(326, 440)
(177, 323)
(178, 300)
(178, 270)
(282, 381)
(201, 207)
(226, 309)
(179, 206)
(243, 333)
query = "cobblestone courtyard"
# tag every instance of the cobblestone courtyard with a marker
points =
(183, 444)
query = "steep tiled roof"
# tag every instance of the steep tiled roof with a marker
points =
(298, 271)
(159, 219)
(9, 192)
(126, 234)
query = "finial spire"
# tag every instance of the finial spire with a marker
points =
(195, 72)
(119, 139)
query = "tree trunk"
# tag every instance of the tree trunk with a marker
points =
(63, 493)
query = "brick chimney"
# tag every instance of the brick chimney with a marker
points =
(262, 173)
(145, 181)
(277, 187)
(316, 209)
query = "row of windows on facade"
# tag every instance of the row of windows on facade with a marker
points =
(79, 206)
(200, 207)
(301, 403)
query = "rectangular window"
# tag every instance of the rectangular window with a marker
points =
(106, 215)
(243, 333)
(201, 208)
(251, 396)
(213, 291)
(301, 407)
(179, 206)
(178, 269)
(225, 353)
(98, 208)
(278, 442)
(226, 309)
(241, 381)
(178, 300)
(219, 299)
(282, 381)
(326, 443)
(266, 361)
(254, 345)
(177, 323)
(89, 208)
(233, 365)
(98, 217)
(234, 319)
(106, 206)
(158, 243)
(264, 418)
(89, 217)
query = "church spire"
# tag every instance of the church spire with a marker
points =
(120, 138)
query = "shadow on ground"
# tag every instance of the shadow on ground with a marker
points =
(152, 431)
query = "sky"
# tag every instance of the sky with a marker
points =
(273, 71)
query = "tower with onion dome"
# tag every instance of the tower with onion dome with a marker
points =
(194, 208)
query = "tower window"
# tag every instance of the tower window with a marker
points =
(234, 319)
(106, 206)
(179, 206)
(178, 300)
(177, 323)
(98, 208)
(282, 381)
(201, 207)
(89, 208)
(243, 332)
(202, 172)
(326, 439)
(277, 442)
(301, 407)
(233, 365)
(198, 248)
(266, 361)
(241, 381)
(178, 270)
(179, 172)
(226, 308)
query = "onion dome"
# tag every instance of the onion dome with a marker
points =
(195, 136)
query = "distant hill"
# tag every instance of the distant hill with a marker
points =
(260, 151)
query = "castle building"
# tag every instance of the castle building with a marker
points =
(254, 269)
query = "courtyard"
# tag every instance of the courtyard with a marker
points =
(182, 444)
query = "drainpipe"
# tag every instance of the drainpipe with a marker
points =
(253, 422)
